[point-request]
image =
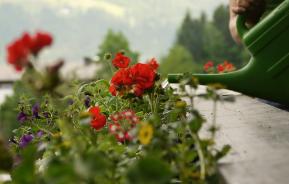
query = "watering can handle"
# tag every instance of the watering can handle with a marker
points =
(241, 25)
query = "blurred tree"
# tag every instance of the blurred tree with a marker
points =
(191, 36)
(214, 44)
(211, 40)
(221, 22)
(113, 42)
(179, 59)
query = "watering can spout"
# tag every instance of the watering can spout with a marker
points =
(224, 79)
(231, 80)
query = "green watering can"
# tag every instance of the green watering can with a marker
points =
(267, 74)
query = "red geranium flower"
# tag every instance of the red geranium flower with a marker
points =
(143, 75)
(98, 120)
(228, 66)
(153, 63)
(40, 40)
(122, 77)
(121, 61)
(138, 90)
(208, 65)
(220, 68)
(135, 79)
(18, 51)
(112, 90)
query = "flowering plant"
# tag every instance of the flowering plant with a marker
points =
(224, 67)
(135, 79)
(129, 130)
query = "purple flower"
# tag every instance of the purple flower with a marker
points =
(25, 140)
(22, 117)
(40, 133)
(87, 101)
(70, 101)
(35, 110)
(46, 114)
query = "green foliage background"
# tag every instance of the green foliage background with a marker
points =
(9, 111)
(204, 40)
(178, 60)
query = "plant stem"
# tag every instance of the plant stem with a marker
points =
(214, 120)
(33, 62)
(200, 154)
(150, 98)
(44, 130)
(110, 66)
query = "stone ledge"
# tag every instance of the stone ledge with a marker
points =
(259, 136)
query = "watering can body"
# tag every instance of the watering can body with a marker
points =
(267, 73)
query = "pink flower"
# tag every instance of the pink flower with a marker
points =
(122, 123)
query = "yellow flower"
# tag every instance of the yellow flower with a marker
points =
(66, 144)
(217, 86)
(181, 104)
(145, 134)
(84, 115)
(57, 134)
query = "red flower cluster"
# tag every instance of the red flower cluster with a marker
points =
(135, 79)
(98, 120)
(121, 61)
(153, 64)
(20, 49)
(226, 67)
(122, 124)
(221, 68)
(208, 66)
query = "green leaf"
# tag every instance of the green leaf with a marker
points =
(92, 164)
(195, 125)
(6, 160)
(24, 173)
(60, 172)
(225, 150)
(149, 170)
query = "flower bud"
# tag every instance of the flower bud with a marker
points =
(107, 56)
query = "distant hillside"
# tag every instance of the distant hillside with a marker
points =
(150, 26)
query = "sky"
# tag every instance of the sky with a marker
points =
(78, 26)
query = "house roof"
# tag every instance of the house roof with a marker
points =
(69, 70)
(7, 73)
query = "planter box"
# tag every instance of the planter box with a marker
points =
(259, 136)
